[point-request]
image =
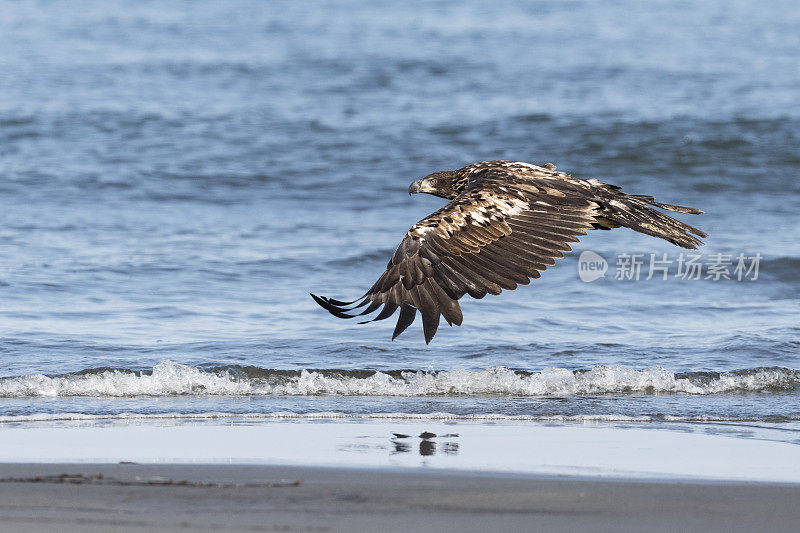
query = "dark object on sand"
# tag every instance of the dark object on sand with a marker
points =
(100, 479)
(506, 222)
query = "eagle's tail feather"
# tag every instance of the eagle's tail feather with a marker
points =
(636, 212)
(669, 207)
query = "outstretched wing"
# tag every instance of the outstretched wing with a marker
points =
(510, 223)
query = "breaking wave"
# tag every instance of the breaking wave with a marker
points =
(178, 418)
(168, 378)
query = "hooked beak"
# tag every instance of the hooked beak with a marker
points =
(415, 187)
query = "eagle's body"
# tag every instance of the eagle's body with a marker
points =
(506, 222)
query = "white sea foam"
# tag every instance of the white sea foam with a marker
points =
(170, 378)
(167, 378)
(179, 418)
(288, 415)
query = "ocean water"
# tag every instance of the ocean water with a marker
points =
(176, 177)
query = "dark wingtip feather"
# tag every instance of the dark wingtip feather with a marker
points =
(339, 302)
(387, 311)
(407, 315)
(430, 324)
(329, 307)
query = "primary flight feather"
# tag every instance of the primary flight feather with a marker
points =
(506, 222)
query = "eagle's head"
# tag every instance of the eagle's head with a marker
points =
(444, 184)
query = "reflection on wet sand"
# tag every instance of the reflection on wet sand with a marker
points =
(428, 446)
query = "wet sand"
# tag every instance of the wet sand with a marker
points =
(695, 452)
(395, 476)
(351, 500)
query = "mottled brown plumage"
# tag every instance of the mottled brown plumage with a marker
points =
(506, 222)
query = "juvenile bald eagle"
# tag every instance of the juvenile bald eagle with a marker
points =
(505, 223)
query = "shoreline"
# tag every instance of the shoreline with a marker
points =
(268, 498)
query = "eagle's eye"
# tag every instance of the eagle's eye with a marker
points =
(434, 182)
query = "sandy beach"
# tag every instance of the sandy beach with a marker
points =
(350, 500)
(394, 475)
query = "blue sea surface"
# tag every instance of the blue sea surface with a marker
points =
(176, 177)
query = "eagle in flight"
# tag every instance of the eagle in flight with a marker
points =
(506, 222)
